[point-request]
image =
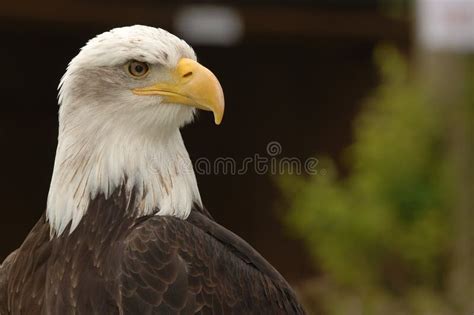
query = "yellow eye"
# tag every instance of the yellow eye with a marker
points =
(137, 68)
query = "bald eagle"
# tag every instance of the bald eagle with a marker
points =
(125, 231)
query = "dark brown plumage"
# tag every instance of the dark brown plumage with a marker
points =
(115, 263)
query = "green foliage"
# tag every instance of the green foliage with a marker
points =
(384, 230)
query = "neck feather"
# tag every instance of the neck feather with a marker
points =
(157, 169)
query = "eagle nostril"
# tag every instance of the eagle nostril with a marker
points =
(188, 74)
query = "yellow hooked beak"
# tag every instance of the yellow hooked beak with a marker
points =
(191, 84)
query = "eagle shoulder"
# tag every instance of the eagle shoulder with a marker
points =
(275, 288)
(188, 266)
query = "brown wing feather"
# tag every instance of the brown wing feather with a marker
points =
(4, 275)
(154, 276)
(173, 266)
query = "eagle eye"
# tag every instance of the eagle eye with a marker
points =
(137, 69)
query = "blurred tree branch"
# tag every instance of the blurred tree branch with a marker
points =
(395, 236)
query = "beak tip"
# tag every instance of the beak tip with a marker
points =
(217, 120)
(218, 111)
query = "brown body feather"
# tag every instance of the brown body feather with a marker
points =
(115, 263)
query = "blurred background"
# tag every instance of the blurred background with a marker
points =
(381, 93)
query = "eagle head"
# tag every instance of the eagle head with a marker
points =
(122, 101)
(137, 78)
